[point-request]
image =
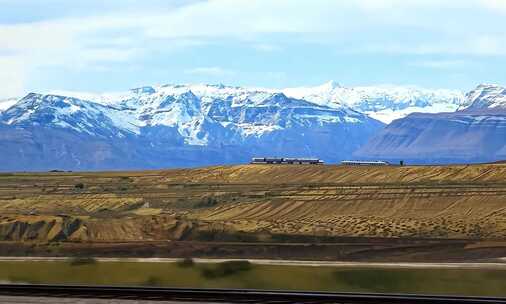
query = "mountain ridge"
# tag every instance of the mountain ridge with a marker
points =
(383, 102)
(195, 125)
(474, 133)
(174, 126)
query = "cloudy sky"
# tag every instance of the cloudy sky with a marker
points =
(97, 45)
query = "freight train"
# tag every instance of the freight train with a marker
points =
(286, 160)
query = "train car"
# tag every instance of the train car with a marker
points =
(287, 160)
(311, 161)
(266, 160)
(365, 163)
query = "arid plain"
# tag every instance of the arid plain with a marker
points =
(386, 213)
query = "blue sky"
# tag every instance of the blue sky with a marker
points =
(115, 45)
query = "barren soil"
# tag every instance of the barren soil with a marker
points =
(458, 211)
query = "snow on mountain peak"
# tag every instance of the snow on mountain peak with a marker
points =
(330, 85)
(185, 106)
(384, 103)
(193, 110)
(143, 90)
(7, 103)
(61, 111)
(486, 96)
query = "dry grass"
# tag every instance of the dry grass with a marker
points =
(466, 201)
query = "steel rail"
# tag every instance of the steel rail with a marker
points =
(229, 295)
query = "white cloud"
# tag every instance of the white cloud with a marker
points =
(495, 5)
(236, 19)
(439, 64)
(12, 77)
(210, 71)
(483, 45)
(422, 27)
(488, 45)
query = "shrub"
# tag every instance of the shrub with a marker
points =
(226, 268)
(207, 202)
(153, 281)
(79, 186)
(186, 262)
(82, 261)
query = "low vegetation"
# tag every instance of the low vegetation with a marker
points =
(79, 261)
(225, 269)
(186, 263)
(255, 204)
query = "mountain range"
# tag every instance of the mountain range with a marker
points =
(384, 103)
(476, 132)
(195, 125)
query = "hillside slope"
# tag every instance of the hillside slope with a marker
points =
(331, 174)
(476, 133)
(257, 202)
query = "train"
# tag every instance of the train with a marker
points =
(287, 160)
(317, 161)
(365, 163)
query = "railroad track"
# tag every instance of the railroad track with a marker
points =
(226, 295)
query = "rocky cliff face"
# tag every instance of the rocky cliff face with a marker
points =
(57, 228)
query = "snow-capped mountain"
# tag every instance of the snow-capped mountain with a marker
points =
(486, 96)
(475, 133)
(384, 103)
(7, 103)
(174, 125)
(199, 124)
(250, 112)
(63, 112)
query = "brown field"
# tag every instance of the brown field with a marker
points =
(265, 205)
